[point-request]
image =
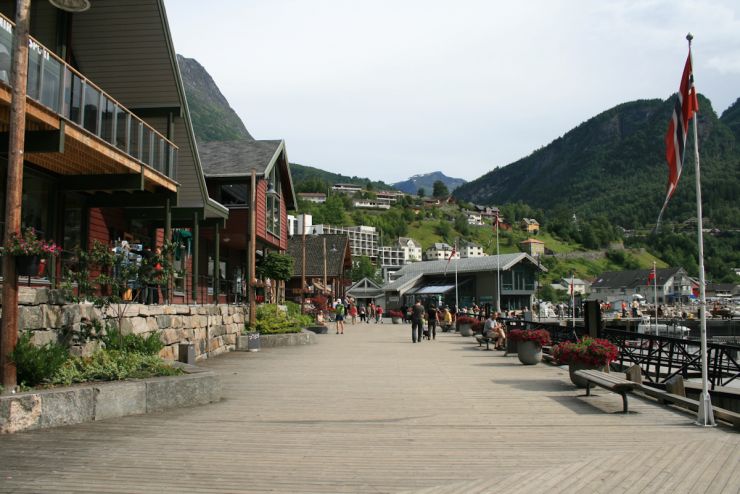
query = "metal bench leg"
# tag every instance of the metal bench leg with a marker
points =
(588, 388)
(624, 402)
(488, 342)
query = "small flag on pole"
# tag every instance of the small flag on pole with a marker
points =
(652, 276)
(452, 254)
(675, 140)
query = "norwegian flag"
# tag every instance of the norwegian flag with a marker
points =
(452, 254)
(686, 105)
(651, 276)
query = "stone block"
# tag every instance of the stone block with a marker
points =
(120, 399)
(170, 336)
(32, 296)
(230, 339)
(85, 350)
(40, 338)
(217, 330)
(71, 314)
(180, 391)
(19, 412)
(66, 407)
(135, 325)
(152, 325)
(183, 309)
(169, 310)
(30, 317)
(51, 316)
(163, 321)
(176, 322)
(170, 353)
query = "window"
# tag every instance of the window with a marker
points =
(272, 211)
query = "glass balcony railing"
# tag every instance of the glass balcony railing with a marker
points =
(62, 89)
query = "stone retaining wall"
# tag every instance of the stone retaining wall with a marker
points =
(100, 401)
(213, 329)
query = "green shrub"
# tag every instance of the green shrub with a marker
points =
(272, 321)
(134, 343)
(112, 365)
(37, 365)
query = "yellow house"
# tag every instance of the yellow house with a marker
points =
(530, 225)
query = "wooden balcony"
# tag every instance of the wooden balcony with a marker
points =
(76, 130)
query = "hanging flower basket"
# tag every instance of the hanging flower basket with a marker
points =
(28, 265)
(30, 252)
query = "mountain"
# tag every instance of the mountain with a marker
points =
(312, 179)
(614, 165)
(426, 181)
(213, 118)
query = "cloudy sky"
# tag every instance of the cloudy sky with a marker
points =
(389, 89)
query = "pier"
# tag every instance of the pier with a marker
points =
(368, 411)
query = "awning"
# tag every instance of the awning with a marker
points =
(434, 289)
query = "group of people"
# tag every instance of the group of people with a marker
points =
(347, 309)
(431, 317)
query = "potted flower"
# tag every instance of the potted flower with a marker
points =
(589, 353)
(465, 325)
(396, 316)
(529, 344)
(29, 251)
(477, 327)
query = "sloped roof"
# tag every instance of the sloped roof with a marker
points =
(409, 273)
(633, 278)
(238, 157)
(365, 288)
(337, 254)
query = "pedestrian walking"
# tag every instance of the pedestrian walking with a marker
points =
(417, 316)
(432, 320)
(371, 312)
(339, 312)
(378, 314)
(353, 313)
(362, 313)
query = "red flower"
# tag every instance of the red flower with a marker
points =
(589, 351)
(539, 336)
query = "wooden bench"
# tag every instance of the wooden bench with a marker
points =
(484, 339)
(607, 381)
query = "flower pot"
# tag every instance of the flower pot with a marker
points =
(529, 352)
(396, 320)
(27, 265)
(576, 366)
(465, 329)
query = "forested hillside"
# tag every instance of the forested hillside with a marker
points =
(614, 165)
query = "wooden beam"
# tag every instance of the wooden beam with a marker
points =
(157, 111)
(112, 181)
(39, 141)
(126, 200)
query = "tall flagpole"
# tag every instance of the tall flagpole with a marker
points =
(705, 415)
(655, 296)
(573, 300)
(457, 301)
(498, 271)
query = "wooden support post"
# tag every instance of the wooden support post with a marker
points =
(167, 240)
(217, 263)
(252, 250)
(13, 194)
(196, 242)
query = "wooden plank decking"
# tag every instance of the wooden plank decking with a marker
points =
(368, 411)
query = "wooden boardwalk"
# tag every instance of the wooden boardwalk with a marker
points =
(368, 411)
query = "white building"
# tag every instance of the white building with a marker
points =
(475, 219)
(471, 250)
(412, 249)
(579, 286)
(296, 222)
(391, 256)
(317, 197)
(350, 189)
(440, 251)
(363, 240)
(370, 204)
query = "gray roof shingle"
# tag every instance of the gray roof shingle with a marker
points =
(237, 158)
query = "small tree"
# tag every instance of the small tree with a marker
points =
(439, 189)
(421, 192)
(275, 266)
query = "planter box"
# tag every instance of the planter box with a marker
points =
(396, 320)
(105, 400)
(278, 340)
(465, 329)
(529, 352)
(318, 329)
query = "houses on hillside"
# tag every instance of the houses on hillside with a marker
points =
(674, 285)
(530, 225)
(441, 250)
